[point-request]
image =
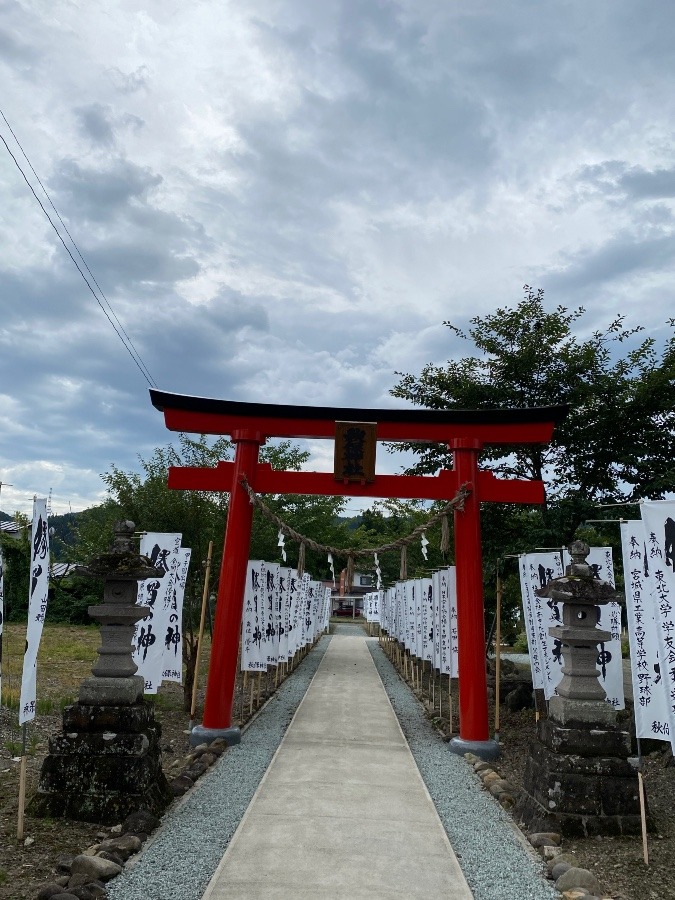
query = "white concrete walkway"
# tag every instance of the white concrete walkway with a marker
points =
(342, 811)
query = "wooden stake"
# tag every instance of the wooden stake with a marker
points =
(22, 788)
(643, 818)
(200, 639)
(498, 641)
(450, 701)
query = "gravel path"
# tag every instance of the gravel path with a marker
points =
(179, 862)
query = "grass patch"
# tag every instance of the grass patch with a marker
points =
(66, 656)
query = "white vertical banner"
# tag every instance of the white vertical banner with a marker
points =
(410, 611)
(326, 608)
(271, 641)
(436, 650)
(295, 629)
(427, 600)
(417, 588)
(249, 649)
(157, 594)
(454, 631)
(659, 521)
(172, 661)
(37, 609)
(303, 600)
(653, 715)
(285, 611)
(536, 570)
(609, 653)
(2, 611)
(446, 622)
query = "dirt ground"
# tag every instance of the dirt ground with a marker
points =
(66, 656)
(617, 862)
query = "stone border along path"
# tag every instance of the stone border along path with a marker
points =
(179, 860)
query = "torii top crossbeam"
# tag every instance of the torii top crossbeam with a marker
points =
(465, 432)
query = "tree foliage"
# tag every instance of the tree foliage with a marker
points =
(618, 441)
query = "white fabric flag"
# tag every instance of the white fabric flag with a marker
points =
(294, 633)
(436, 593)
(2, 611)
(454, 632)
(446, 622)
(417, 588)
(252, 619)
(37, 609)
(427, 601)
(659, 521)
(285, 617)
(653, 715)
(172, 659)
(271, 638)
(156, 593)
(536, 570)
(326, 608)
(303, 601)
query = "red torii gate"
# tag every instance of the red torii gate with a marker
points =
(465, 432)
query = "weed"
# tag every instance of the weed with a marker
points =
(10, 700)
(65, 701)
(13, 747)
(45, 706)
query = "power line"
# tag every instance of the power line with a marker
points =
(121, 333)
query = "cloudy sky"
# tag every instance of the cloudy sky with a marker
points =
(283, 200)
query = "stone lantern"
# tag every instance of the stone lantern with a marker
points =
(578, 780)
(106, 763)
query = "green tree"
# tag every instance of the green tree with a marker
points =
(618, 441)
(16, 553)
(200, 516)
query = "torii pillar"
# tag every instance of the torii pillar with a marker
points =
(465, 432)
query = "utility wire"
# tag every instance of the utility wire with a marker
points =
(121, 333)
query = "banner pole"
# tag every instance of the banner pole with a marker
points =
(22, 786)
(200, 639)
(498, 641)
(643, 811)
(450, 701)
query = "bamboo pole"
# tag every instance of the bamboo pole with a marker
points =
(200, 639)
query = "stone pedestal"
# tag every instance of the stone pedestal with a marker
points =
(107, 761)
(578, 780)
(104, 765)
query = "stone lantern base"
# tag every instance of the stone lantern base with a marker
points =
(104, 765)
(578, 781)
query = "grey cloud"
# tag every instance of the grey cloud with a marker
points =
(95, 122)
(642, 184)
(16, 51)
(130, 82)
(621, 256)
(97, 193)
(619, 181)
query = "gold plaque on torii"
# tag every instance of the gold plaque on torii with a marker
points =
(355, 451)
